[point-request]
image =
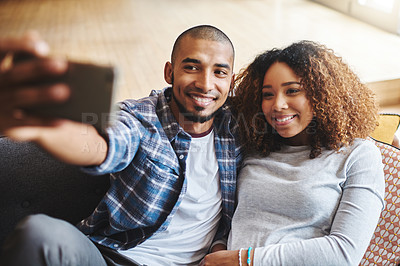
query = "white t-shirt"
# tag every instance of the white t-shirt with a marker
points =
(193, 227)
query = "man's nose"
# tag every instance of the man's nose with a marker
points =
(204, 81)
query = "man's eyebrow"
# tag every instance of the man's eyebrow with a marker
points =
(283, 84)
(191, 60)
(227, 66)
(197, 61)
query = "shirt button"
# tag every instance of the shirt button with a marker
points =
(181, 157)
(115, 245)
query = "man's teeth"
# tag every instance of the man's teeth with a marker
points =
(285, 119)
(202, 99)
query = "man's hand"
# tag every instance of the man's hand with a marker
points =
(218, 247)
(27, 79)
(221, 258)
(23, 64)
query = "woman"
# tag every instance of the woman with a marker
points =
(311, 188)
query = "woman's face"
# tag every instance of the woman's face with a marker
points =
(285, 104)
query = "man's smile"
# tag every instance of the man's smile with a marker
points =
(202, 100)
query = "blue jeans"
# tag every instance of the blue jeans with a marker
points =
(41, 240)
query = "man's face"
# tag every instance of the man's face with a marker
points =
(201, 78)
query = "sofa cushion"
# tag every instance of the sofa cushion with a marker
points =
(388, 125)
(384, 248)
(31, 182)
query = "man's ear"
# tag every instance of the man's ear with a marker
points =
(168, 73)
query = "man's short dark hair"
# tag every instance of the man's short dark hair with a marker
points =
(203, 32)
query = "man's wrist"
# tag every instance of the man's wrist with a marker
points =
(217, 247)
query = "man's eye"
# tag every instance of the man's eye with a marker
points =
(221, 73)
(190, 68)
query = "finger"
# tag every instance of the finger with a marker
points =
(26, 133)
(33, 71)
(22, 56)
(30, 42)
(8, 123)
(13, 100)
(35, 128)
(29, 97)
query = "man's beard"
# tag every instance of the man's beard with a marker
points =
(191, 116)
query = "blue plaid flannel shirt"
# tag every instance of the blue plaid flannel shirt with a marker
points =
(146, 156)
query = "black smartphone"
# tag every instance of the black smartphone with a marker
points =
(91, 98)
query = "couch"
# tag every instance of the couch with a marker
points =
(33, 182)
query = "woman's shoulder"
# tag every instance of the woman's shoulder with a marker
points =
(364, 145)
(364, 149)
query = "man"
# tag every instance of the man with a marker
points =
(173, 155)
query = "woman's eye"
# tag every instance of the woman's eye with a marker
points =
(267, 94)
(292, 91)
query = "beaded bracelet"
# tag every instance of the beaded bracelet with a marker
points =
(240, 257)
(249, 256)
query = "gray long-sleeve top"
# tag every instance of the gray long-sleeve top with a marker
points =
(299, 211)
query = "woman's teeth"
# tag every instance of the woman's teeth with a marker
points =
(285, 119)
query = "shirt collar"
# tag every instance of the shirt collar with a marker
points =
(165, 115)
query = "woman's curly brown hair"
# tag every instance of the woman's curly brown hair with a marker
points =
(344, 108)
